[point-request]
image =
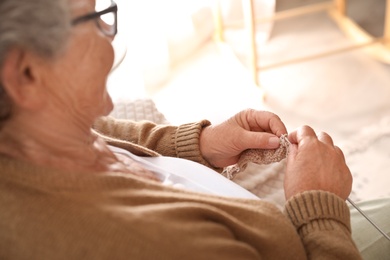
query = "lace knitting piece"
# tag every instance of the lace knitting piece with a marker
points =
(258, 156)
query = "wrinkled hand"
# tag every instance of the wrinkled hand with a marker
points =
(222, 144)
(314, 163)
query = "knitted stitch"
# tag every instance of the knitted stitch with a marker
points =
(259, 156)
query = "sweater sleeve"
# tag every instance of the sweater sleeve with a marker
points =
(173, 141)
(322, 220)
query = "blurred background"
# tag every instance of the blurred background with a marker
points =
(169, 53)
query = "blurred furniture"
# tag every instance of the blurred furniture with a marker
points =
(379, 48)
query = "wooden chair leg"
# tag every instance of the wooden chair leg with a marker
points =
(218, 23)
(250, 24)
(341, 6)
(386, 32)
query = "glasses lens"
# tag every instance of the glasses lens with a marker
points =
(107, 23)
(108, 19)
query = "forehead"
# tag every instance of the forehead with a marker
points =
(97, 5)
(78, 6)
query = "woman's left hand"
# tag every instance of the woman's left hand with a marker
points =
(222, 144)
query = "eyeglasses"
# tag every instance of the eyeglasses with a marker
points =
(106, 20)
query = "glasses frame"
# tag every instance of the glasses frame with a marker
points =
(113, 8)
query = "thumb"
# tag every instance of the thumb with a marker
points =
(260, 140)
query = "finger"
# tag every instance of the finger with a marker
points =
(325, 138)
(340, 152)
(256, 140)
(277, 127)
(304, 131)
(265, 121)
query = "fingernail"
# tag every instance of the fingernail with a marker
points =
(274, 142)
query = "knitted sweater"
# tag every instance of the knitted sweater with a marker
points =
(53, 214)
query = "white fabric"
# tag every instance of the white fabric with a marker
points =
(367, 154)
(189, 175)
(266, 181)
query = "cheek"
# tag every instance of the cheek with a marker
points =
(108, 55)
(91, 55)
(101, 52)
(81, 74)
(89, 65)
(95, 63)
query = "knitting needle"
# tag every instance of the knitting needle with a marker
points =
(369, 219)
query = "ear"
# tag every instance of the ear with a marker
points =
(20, 78)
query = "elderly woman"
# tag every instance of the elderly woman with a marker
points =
(70, 192)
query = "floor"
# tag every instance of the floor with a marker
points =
(346, 95)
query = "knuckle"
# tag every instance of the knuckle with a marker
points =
(306, 127)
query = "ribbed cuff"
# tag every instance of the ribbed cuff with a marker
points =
(187, 142)
(317, 210)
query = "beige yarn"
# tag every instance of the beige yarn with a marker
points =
(259, 156)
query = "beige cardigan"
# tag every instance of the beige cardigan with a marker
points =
(52, 214)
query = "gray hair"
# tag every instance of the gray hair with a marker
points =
(39, 26)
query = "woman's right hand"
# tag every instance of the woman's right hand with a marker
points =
(314, 163)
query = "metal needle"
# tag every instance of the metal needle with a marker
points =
(368, 218)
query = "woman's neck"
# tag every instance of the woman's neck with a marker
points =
(55, 143)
